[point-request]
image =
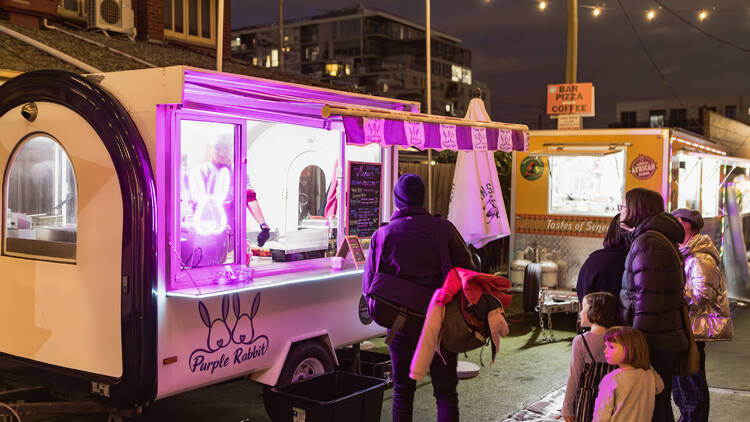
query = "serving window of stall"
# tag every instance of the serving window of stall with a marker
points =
(586, 184)
(698, 183)
(41, 218)
(254, 196)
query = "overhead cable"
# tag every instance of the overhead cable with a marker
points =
(699, 29)
(651, 59)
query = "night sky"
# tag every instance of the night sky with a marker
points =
(517, 50)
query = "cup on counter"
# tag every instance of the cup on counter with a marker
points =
(337, 262)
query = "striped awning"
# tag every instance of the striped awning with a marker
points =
(438, 136)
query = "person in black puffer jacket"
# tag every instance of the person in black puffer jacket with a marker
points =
(652, 286)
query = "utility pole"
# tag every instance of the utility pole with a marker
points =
(220, 37)
(428, 99)
(281, 35)
(571, 67)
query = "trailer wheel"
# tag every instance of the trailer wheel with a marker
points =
(305, 360)
(532, 278)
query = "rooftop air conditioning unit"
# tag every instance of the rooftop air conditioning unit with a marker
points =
(111, 15)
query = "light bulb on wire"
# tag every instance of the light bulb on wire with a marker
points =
(702, 15)
(542, 5)
(650, 15)
(596, 12)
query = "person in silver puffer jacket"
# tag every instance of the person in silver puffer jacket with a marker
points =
(706, 295)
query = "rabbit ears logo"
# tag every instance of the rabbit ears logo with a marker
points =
(227, 346)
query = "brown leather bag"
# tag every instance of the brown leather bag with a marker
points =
(689, 362)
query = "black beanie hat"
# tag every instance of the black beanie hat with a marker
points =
(409, 191)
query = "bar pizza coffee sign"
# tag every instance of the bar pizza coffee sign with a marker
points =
(562, 225)
(577, 99)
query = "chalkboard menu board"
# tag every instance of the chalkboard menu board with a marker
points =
(364, 198)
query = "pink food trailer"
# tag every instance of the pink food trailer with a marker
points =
(167, 229)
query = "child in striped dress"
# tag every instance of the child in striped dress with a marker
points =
(587, 362)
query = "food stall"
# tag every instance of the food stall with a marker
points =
(167, 229)
(566, 189)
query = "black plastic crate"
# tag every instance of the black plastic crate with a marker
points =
(331, 397)
(372, 364)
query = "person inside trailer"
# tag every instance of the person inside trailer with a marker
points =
(211, 205)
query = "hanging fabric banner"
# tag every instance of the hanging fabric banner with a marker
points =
(365, 130)
(476, 206)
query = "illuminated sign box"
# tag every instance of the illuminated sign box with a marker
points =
(575, 99)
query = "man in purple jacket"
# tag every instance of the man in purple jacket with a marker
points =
(409, 248)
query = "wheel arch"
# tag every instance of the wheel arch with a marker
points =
(270, 376)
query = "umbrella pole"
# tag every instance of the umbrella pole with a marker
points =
(428, 100)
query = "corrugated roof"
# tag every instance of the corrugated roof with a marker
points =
(19, 56)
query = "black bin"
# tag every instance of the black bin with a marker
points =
(331, 397)
(372, 364)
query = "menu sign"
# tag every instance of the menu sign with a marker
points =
(364, 198)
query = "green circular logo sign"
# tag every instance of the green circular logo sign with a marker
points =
(532, 168)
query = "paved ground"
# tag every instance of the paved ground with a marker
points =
(527, 371)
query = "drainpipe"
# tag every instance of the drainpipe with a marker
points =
(49, 50)
(122, 53)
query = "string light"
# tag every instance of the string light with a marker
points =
(596, 12)
(650, 15)
(702, 15)
(699, 147)
(542, 5)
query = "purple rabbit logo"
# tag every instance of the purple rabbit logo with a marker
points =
(244, 331)
(373, 130)
(221, 337)
(218, 330)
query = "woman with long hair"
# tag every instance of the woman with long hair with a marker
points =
(652, 285)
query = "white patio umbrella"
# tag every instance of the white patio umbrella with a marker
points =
(476, 205)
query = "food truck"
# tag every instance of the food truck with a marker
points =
(166, 229)
(567, 187)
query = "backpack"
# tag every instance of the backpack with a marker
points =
(465, 325)
(588, 385)
(386, 294)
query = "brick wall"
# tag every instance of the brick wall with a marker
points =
(149, 19)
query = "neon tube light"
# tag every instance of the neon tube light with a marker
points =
(210, 187)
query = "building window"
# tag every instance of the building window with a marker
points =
(677, 117)
(332, 69)
(460, 74)
(730, 111)
(190, 20)
(656, 118)
(274, 58)
(628, 119)
(42, 202)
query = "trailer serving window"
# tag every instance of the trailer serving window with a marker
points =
(698, 180)
(586, 184)
(41, 218)
(250, 197)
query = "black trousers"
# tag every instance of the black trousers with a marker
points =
(691, 392)
(663, 363)
(443, 375)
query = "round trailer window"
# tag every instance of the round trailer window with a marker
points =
(42, 201)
